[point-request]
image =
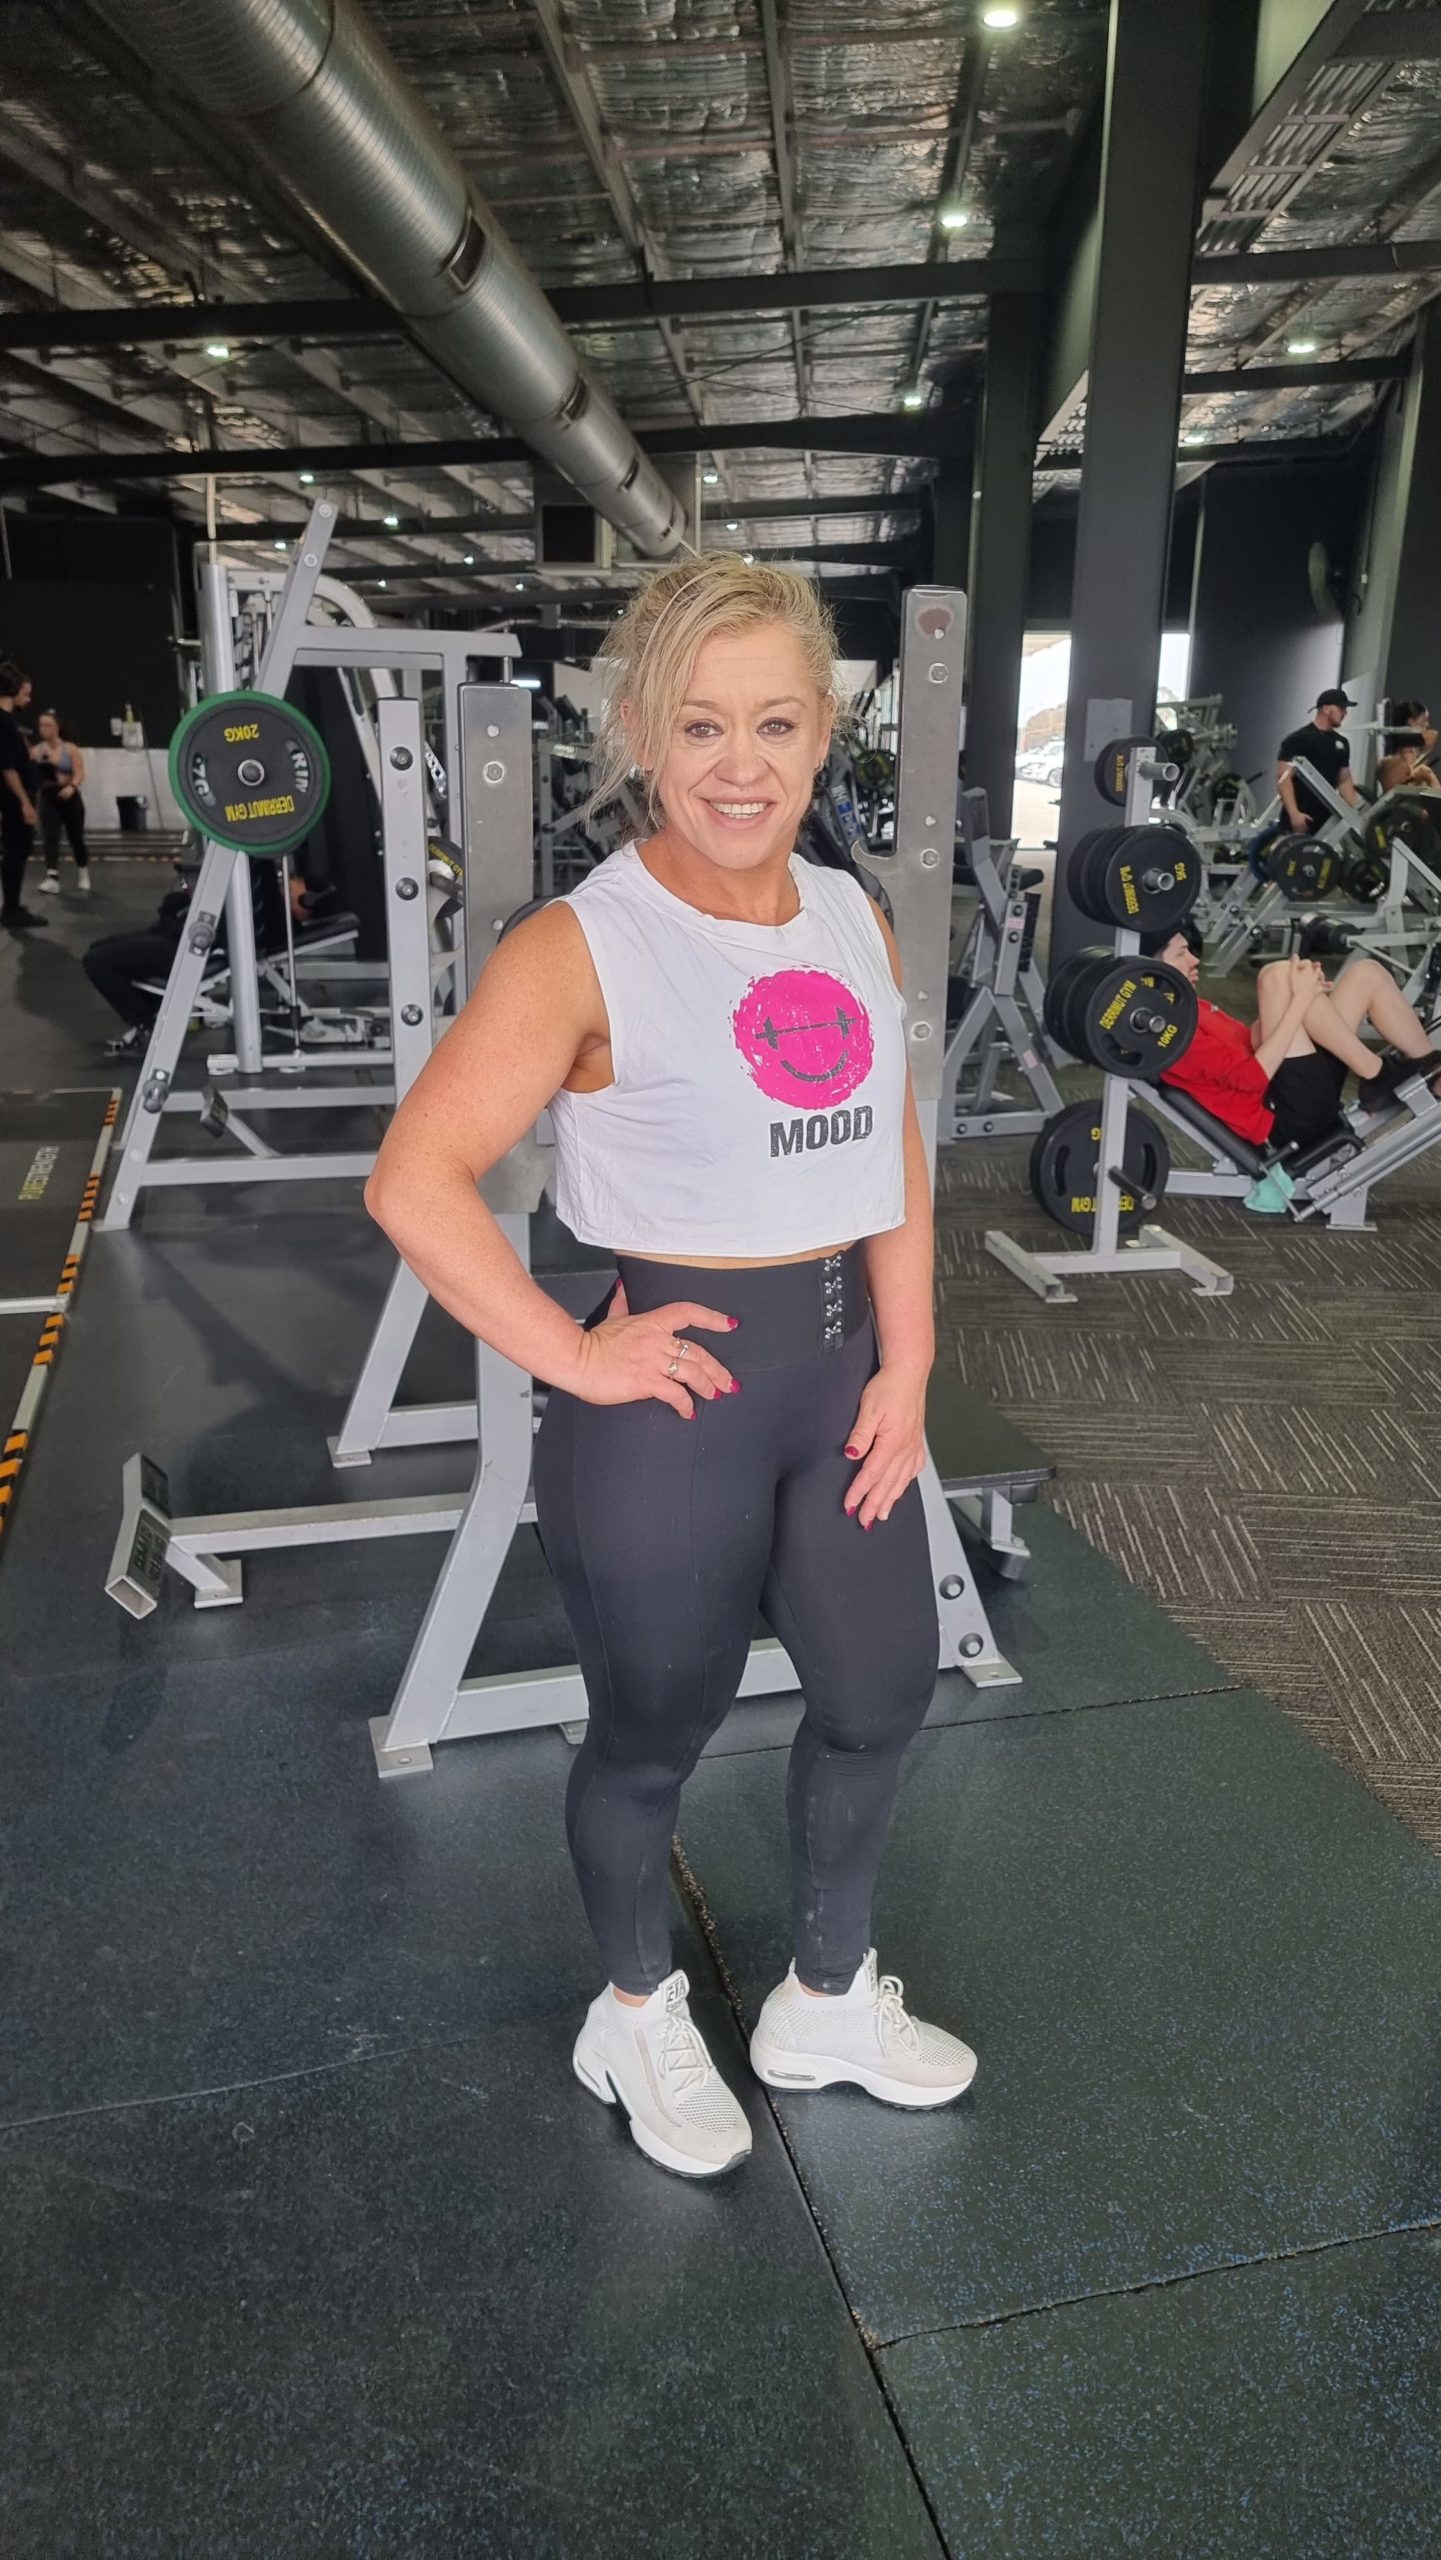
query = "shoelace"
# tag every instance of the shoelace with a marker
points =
(681, 2058)
(893, 2018)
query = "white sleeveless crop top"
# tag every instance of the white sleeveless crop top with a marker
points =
(760, 1074)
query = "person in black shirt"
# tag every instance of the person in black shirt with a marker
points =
(17, 801)
(1320, 742)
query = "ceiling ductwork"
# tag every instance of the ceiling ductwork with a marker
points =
(308, 90)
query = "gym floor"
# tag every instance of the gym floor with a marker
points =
(314, 2247)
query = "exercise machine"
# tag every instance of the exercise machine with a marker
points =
(436, 1700)
(422, 983)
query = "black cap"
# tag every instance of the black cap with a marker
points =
(1334, 694)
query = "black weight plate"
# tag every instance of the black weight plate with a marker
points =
(1065, 1163)
(1078, 867)
(1302, 869)
(1178, 747)
(250, 772)
(1097, 866)
(1111, 767)
(1414, 817)
(1365, 874)
(1055, 1010)
(1147, 879)
(1138, 1017)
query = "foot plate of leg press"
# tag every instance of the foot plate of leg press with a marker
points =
(412, 1761)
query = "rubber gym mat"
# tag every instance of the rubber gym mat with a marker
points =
(1200, 1968)
(53, 1148)
(1291, 2407)
(434, 2301)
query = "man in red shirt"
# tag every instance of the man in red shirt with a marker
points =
(1278, 1081)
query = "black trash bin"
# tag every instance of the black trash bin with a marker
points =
(131, 811)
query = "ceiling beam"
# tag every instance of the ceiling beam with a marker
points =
(920, 434)
(1350, 261)
(743, 511)
(1299, 375)
(1408, 35)
(654, 298)
(1320, 47)
(856, 555)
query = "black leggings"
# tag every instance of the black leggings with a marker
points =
(665, 1536)
(14, 854)
(59, 816)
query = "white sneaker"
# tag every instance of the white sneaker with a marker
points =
(82, 882)
(50, 885)
(655, 2062)
(865, 2035)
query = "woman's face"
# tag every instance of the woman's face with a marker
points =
(740, 765)
(49, 728)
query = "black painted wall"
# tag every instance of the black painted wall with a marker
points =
(89, 609)
(1258, 639)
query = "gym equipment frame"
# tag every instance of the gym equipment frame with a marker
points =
(294, 641)
(435, 1701)
(1002, 1018)
(1153, 1249)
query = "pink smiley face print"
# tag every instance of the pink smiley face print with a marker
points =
(804, 1036)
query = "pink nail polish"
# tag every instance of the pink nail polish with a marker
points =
(735, 1386)
(852, 1453)
(733, 1321)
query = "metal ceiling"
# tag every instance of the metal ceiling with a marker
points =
(667, 139)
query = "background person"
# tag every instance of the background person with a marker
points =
(1409, 746)
(1320, 742)
(60, 774)
(17, 803)
(716, 1028)
(1278, 1081)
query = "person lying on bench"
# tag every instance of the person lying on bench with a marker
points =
(1278, 1081)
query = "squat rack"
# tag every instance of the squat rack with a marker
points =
(435, 1700)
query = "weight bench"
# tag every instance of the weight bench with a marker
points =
(987, 1466)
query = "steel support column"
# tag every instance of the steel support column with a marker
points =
(1001, 548)
(1155, 81)
(1411, 662)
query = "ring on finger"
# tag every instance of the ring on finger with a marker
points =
(681, 1349)
(672, 1366)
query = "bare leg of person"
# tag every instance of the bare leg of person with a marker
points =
(1273, 995)
(1366, 992)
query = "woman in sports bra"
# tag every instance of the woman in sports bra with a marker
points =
(716, 1027)
(60, 773)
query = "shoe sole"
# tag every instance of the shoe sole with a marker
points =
(783, 2072)
(592, 2074)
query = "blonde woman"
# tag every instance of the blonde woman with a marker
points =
(716, 1027)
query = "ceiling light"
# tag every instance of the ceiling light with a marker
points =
(218, 348)
(749, 558)
(954, 217)
(1000, 19)
(1300, 346)
(282, 546)
(306, 478)
(528, 684)
(390, 520)
(470, 559)
(710, 478)
(915, 398)
(520, 586)
(380, 582)
(1193, 436)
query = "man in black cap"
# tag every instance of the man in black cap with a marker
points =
(1320, 742)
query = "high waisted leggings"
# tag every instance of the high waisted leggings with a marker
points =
(665, 1536)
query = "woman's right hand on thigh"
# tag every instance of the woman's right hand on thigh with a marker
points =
(629, 1358)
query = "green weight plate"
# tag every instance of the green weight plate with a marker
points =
(250, 772)
(1065, 1164)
